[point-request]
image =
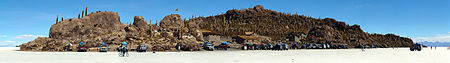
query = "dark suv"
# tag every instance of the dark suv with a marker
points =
(141, 48)
(416, 47)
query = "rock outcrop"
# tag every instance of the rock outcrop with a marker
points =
(106, 27)
(140, 22)
(92, 29)
(194, 29)
(171, 22)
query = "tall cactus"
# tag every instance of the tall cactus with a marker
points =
(179, 30)
(151, 29)
(82, 13)
(56, 18)
(86, 12)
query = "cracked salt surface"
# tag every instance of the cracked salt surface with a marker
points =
(379, 55)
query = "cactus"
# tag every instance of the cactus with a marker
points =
(78, 15)
(56, 18)
(86, 12)
(179, 31)
(82, 14)
(151, 29)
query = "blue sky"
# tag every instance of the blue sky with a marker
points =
(422, 20)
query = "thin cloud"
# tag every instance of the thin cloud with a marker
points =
(433, 39)
(8, 41)
(3, 35)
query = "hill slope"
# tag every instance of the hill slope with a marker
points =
(278, 25)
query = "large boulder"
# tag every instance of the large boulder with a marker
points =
(92, 26)
(139, 22)
(171, 22)
(138, 31)
(92, 29)
(194, 29)
(35, 45)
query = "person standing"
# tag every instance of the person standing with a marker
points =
(431, 47)
(435, 47)
(362, 49)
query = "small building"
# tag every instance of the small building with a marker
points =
(251, 38)
(246, 39)
(296, 37)
(216, 37)
(248, 33)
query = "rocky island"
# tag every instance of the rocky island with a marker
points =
(252, 25)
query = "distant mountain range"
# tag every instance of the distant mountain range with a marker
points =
(7, 45)
(438, 44)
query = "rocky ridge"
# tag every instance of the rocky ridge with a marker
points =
(279, 25)
(106, 27)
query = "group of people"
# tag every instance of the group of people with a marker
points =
(286, 46)
(210, 47)
(432, 47)
(273, 46)
(263, 46)
(123, 48)
(82, 47)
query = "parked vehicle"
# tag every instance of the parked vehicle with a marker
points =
(284, 46)
(255, 47)
(320, 46)
(250, 47)
(223, 46)
(103, 49)
(343, 46)
(327, 46)
(263, 47)
(304, 46)
(334, 46)
(82, 47)
(295, 46)
(416, 47)
(313, 46)
(245, 46)
(276, 47)
(367, 46)
(141, 48)
(373, 46)
(269, 46)
(208, 46)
